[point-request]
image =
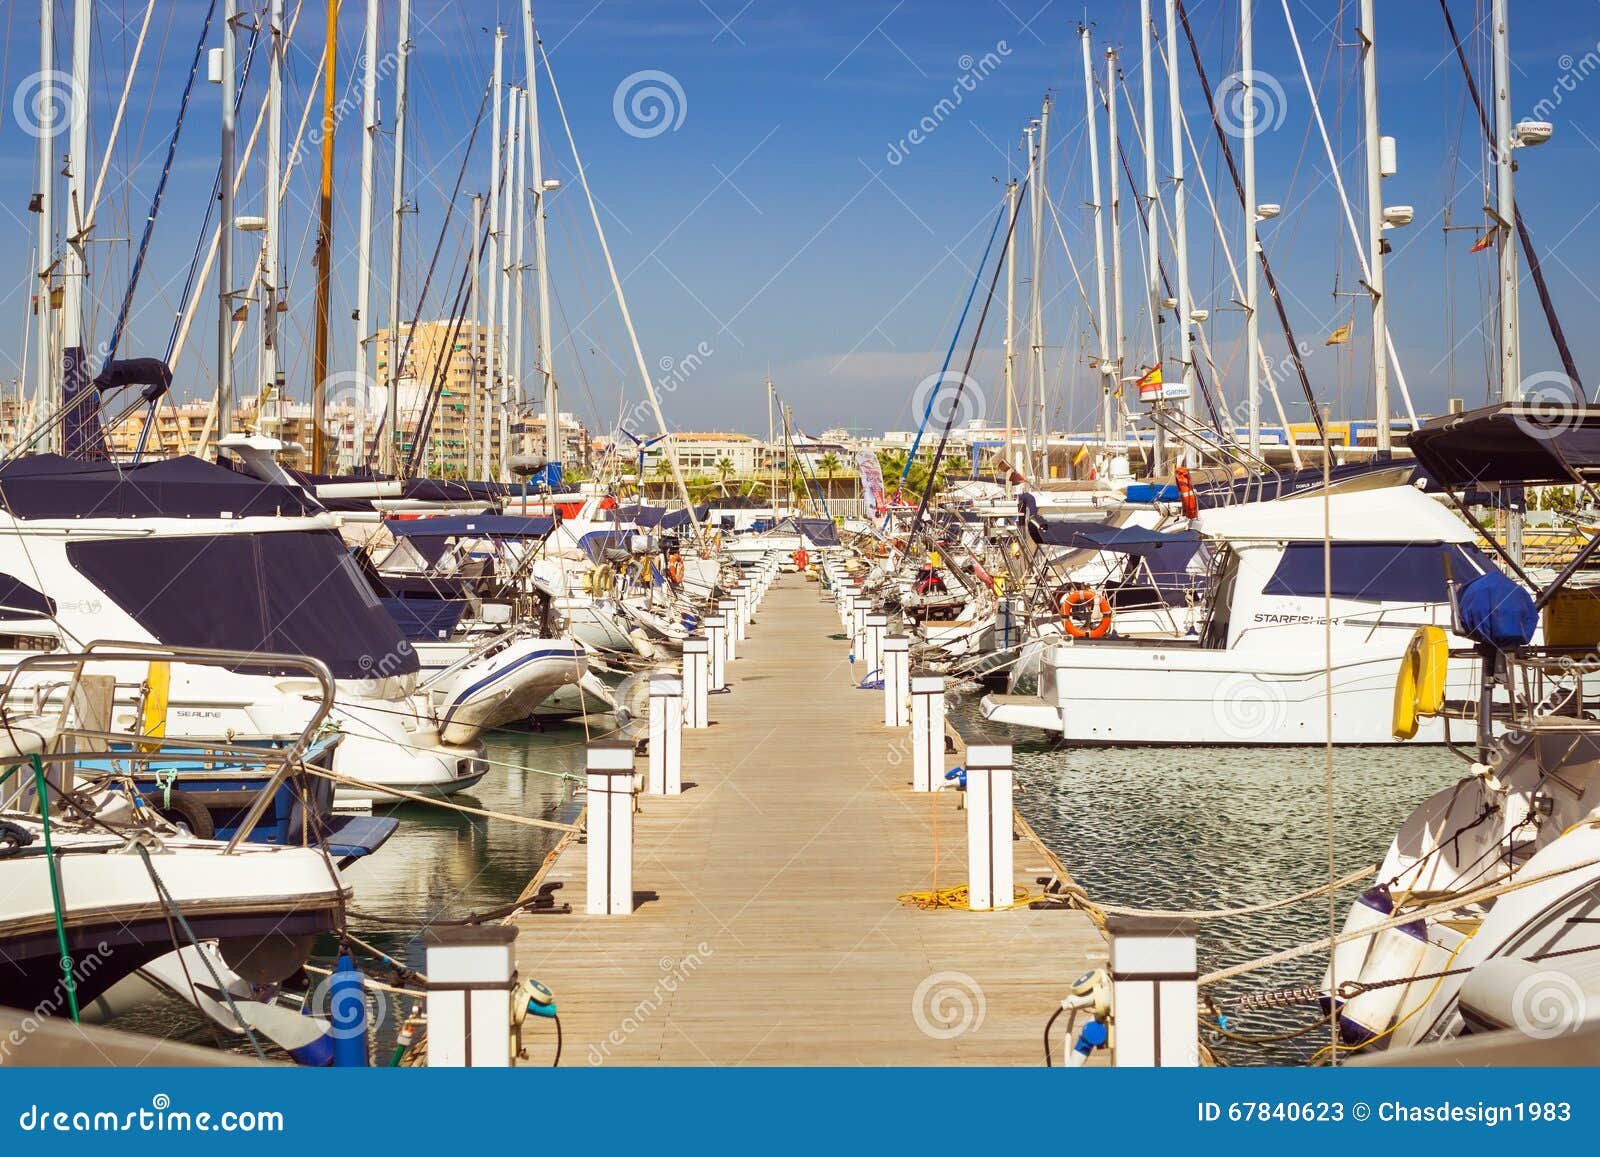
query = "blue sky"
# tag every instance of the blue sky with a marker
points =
(784, 222)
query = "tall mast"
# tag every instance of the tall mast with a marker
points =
(225, 247)
(1252, 317)
(474, 381)
(519, 267)
(1152, 212)
(1011, 328)
(546, 365)
(75, 271)
(1375, 242)
(271, 276)
(1039, 437)
(1506, 210)
(1097, 220)
(509, 259)
(319, 362)
(493, 368)
(45, 383)
(397, 204)
(1118, 337)
(1180, 216)
(364, 314)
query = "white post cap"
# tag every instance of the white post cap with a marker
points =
(611, 756)
(988, 755)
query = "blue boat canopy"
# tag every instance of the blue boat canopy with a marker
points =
(51, 486)
(1515, 442)
(1062, 531)
(658, 516)
(1135, 539)
(473, 526)
(1397, 572)
(818, 531)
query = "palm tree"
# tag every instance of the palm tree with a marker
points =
(724, 470)
(830, 466)
(663, 471)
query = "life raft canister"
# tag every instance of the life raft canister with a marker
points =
(1079, 608)
(1419, 686)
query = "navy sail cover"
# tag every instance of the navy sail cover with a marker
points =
(472, 526)
(290, 592)
(50, 486)
(1387, 572)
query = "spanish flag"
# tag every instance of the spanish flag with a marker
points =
(1483, 242)
(1150, 383)
(1083, 452)
(1340, 335)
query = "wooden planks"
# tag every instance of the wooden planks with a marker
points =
(769, 930)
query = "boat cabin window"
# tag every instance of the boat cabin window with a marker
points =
(1379, 572)
(294, 592)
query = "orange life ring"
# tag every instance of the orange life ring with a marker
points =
(1186, 495)
(675, 568)
(1078, 607)
(801, 559)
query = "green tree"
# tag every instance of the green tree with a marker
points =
(724, 472)
(830, 466)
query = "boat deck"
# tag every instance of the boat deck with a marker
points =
(768, 929)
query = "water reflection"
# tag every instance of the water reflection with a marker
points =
(1221, 828)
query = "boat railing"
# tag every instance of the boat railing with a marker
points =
(143, 748)
(1554, 688)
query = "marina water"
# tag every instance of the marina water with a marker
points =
(1148, 827)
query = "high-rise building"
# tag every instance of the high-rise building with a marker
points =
(466, 402)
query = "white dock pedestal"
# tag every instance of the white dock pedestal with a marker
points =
(666, 734)
(470, 980)
(741, 611)
(610, 829)
(696, 681)
(716, 627)
(896, 680)
(989, 860)
(927, 733)
(873, 629)
(729, 610)
(1154, 984)
(858, 629)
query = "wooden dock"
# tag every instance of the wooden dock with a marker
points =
(769, 930)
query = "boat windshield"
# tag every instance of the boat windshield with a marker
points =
(294, 592)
